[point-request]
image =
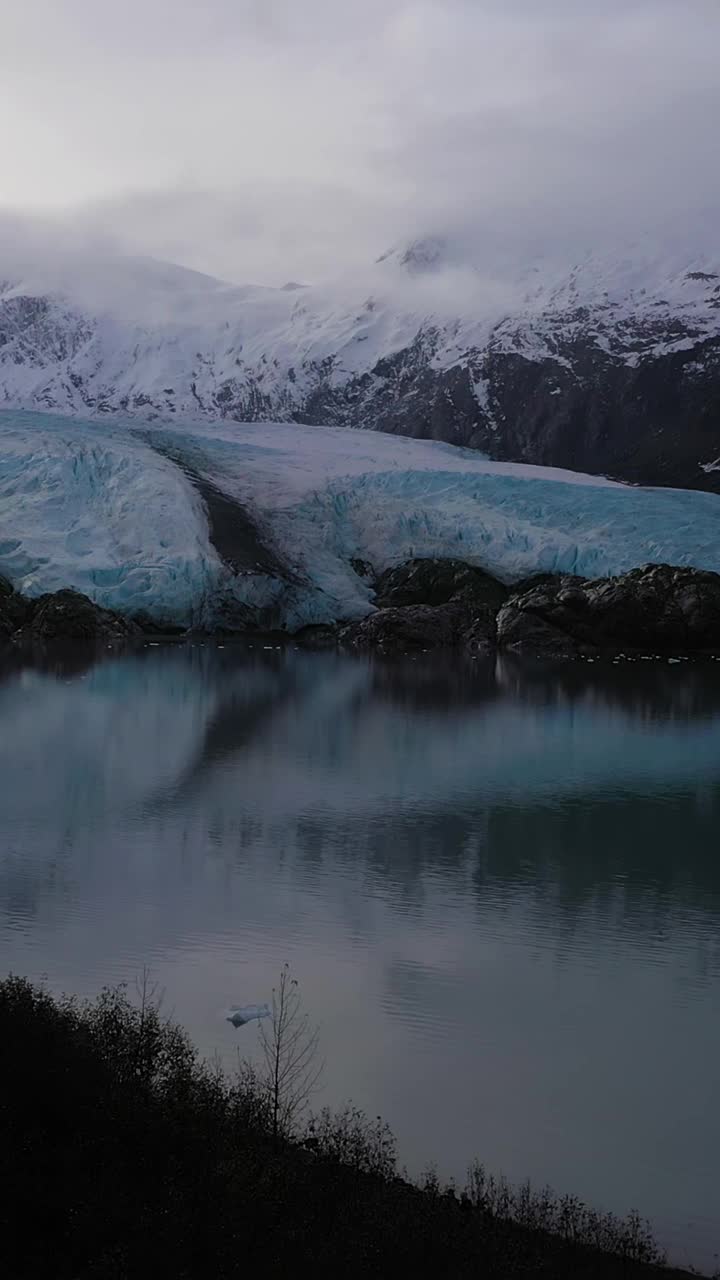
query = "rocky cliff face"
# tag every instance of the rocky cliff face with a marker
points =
(655, 610)
(608, 368)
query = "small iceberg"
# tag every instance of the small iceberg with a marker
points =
(239, 1015)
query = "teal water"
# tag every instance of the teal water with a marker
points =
(498, 885)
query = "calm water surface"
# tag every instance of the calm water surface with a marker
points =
(499, 886)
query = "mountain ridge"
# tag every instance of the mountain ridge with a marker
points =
(612, 366)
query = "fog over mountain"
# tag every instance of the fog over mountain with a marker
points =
(486, 224)
(261, 141)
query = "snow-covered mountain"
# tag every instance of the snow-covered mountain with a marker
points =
(612, 366)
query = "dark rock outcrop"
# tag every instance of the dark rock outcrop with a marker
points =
(316, 636)
(13, 609)
(58, 616)
(413, 627)
(438, 581)
(363, 569)
(653, 418)
(157, 626)
(68, 615)
(479, 637)
(653, 609)
(656, 609)
(430, 603)
(6, 627)
(650, 420)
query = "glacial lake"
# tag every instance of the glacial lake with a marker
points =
(498, 885)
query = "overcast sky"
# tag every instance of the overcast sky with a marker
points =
(270, 139)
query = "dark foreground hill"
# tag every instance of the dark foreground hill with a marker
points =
(123, 1155)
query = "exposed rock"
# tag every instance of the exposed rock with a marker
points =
(233, 530)
(61, 615)
(542, 580)
(416, 626)
(157, 626)
(68, 615)
(316, 636)
(430, 604)
(233, 618)
(653, 609)
(13, 609)
(6, 626)
(657, 608)
(436, 582)
(363, 569)
(480, 637)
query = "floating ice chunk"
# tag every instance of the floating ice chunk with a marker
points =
(241, 1014)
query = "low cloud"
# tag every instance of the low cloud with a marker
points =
(264, 140)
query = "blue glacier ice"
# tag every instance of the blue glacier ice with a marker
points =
(111, 509)
(85, 506)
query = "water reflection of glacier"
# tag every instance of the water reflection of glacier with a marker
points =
(299, 733)
(501, 871)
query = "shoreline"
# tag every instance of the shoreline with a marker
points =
(127, 1103)
(655, 612)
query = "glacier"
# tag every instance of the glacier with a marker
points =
(118, 510)
(88, 507)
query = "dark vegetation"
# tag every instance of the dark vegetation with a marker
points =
(124, 1155)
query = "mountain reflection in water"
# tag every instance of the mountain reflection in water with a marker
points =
(499, 884)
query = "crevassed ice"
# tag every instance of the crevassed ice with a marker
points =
(96, 507)
(87, 507)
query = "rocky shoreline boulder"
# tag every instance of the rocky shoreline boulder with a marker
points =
(433, 604)
(655, 608)
(58, 616)
(316, 636)
(68, 615)
(13, 609)
(435, 582)
(443, 604)
(412, 627)
(430, 604)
